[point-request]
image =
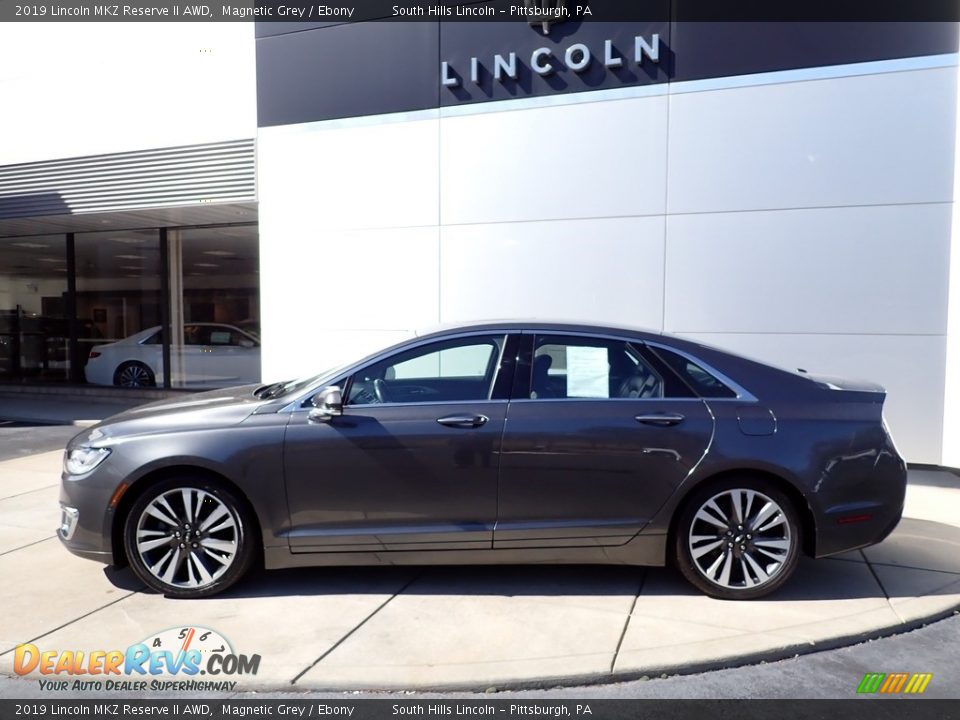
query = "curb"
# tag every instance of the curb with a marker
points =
(652, 673)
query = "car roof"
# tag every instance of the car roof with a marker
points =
(536, 324)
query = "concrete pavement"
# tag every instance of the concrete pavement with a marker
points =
(472, 628)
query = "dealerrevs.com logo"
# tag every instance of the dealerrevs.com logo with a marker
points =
(173, 659)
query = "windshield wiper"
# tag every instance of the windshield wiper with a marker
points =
(269, 391)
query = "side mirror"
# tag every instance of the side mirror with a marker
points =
(327, 404)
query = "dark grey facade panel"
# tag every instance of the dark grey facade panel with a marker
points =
(460, 42)
(722, 49)
(214, 172)
(370, 68)
(269, 29)
(346, 71)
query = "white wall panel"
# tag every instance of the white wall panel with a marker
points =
(884, 138)
(95, 88)
(573, 161)
(873, 269)
(911, 368)
(951, 410)
(364, 176)
(603, 270)
(314, 352)
(564, 211)
(330, 295)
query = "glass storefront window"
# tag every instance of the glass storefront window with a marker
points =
(34, 333)
(215, 315)
(118, 307)
(104, 325)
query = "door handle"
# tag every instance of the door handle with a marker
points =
(660, 419)
(463, 421)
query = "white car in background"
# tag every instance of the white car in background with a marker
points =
(213, 355)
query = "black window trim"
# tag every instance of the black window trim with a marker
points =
(521, 390)
(741, 394)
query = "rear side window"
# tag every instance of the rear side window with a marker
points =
(704, 383)
(567, 367)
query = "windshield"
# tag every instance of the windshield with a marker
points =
(287, 387)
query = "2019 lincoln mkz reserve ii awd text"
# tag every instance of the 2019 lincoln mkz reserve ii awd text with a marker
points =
(502, 442)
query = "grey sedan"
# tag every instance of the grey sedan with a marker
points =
(494, 443)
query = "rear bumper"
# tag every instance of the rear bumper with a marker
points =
(853, 524)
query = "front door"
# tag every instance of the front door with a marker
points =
(596, 440)
(411, 463)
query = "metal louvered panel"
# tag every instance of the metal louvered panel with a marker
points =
(167, 177)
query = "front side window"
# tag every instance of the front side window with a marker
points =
(583, 367)
(459, 370)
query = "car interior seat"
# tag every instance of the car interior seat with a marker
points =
(540, 385)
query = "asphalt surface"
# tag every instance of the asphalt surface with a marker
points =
(833, 674)
(18, 439)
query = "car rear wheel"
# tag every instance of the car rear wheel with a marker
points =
(134, 375)
(189, 538)
(739, 539)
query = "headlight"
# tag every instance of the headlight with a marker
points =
(84, 459)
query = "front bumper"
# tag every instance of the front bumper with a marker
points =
(86, 520)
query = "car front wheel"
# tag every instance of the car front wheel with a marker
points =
(189, 538)
(738, 540)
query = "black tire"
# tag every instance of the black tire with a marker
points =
(743, 582)
(133, 374)
(207, 498)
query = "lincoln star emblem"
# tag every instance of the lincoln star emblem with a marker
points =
(546, 13)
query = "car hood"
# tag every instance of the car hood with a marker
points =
(217, 408)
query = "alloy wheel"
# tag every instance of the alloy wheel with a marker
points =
(135, 376)
(740, 539)
(187, 538)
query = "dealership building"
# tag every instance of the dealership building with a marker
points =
(265, 200)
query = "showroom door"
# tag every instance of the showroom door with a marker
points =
(596, 440)
(411, 463)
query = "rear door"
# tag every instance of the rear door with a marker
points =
(598, 436)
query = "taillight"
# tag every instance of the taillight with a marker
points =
(93, 354)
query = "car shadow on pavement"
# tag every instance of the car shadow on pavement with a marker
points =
(482, 580)
(920, 558)
(123, 578)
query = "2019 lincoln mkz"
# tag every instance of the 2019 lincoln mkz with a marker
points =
(494, 443)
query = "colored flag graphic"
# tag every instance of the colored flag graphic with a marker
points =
(894, 683)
